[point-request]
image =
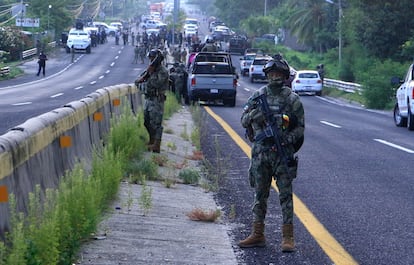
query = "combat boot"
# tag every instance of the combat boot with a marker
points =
(156, 147)
(288, 242)
(256, 238)
(150, 142)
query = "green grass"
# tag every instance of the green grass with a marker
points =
(59, 220)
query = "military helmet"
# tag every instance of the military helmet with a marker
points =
(277, 64)
(153, 53)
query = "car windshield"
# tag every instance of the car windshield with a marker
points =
(249, 57)
(260, 62)
(308, 75)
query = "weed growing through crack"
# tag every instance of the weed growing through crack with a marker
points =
(145, 199)
(130, 200)
(171, 146)
(184, 133)
(139, 169)
(189, 176)
(232, 213)
(169, 183)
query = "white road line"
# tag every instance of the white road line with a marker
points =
(395, 146)
(22, 103)
(112, 64)
(116, 57)
(79, 87)
(331, 124)
(107, 71)
(93, 83)
(56, 95)
(101, 77)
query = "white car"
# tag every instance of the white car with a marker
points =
(117, 24)
(307, 81)
(245, 63)
(256, 68)
(404, 107)
(190, 26)
(190, 32)
(109, 30)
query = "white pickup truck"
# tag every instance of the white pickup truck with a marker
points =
(404, 107)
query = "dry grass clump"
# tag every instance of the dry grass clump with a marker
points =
(199, 214)
(197, 155)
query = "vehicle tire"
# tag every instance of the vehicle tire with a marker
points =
(398, 120)
(251, 80)
(186, 100)
(319, 93)
(67, 49)
(88, 49)
(410, 120)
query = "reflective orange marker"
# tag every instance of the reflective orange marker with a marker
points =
(4, 196)
(97, 116)
(65, 141)
(116, 102)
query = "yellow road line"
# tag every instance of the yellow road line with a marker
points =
(326, 241)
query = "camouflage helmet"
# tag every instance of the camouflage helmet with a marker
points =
(155, 56)
(277, 64)
(153, 53)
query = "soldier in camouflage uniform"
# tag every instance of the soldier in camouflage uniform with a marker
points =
(155, 82)
(267, 162)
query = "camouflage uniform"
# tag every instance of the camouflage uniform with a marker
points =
(266, 162)
(155, 88)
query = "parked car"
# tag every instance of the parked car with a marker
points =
(307, 81)
(256, 68)
(404, 106)
(109, 30)
(245, 63)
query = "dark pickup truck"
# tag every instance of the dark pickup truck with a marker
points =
(212, 77)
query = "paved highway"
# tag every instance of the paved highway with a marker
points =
(354, 190)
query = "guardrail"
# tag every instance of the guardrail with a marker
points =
(43, 148)
(4, 71)
(29, 53)
(342, 85)
(33, 51)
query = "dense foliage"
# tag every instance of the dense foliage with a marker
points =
(377, 39)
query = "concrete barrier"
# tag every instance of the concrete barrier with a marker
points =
(42, 149)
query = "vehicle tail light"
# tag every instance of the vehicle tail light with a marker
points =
(193, 81)
(319, 81)
(235, 83)
(297, 81)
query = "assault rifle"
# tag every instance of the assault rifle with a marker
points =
(272, 130)
(154, 63)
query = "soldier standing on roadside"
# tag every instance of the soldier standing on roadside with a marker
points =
(155, 82)
(267, 162)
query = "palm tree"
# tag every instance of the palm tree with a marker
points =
(308, 21)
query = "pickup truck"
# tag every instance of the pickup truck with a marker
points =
(404, 106)
(212, 77)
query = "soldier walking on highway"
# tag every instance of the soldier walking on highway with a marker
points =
(42, 63)
(136, 54)
(155, 82)
(273, 108)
